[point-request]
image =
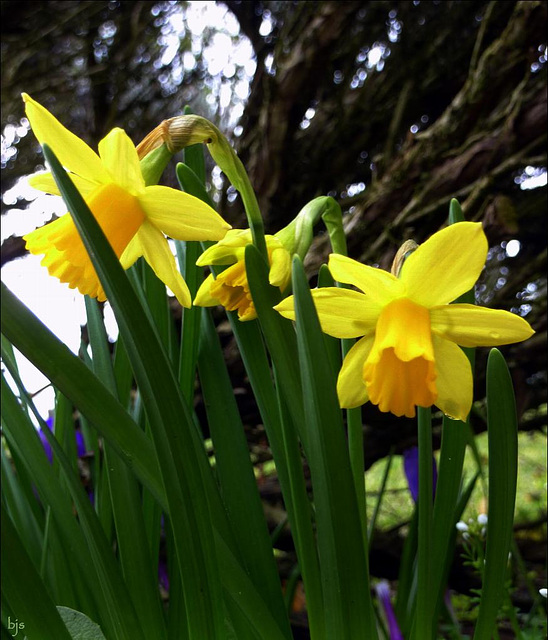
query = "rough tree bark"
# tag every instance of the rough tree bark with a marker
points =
(469, 70)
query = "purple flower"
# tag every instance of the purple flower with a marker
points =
(383, 594)
(411, 468)
(45, 443)
(80, 444)
(163, 577)
(80, 449)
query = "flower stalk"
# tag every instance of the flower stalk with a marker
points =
(423, 617)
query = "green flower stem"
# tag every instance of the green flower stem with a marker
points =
(423, 618)
(225, 156)
(357, 464)
(332, 217)
(253, 214)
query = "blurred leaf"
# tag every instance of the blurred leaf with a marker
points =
(23, 588)
(79, 625)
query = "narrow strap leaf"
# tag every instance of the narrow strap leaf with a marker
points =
(347, 599)
(502, 436)
(27, 595)
(235, 472)
(71, 376)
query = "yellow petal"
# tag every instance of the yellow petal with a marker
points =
(203, 295)
(280, 269)
(60, 240)
(232, 290)
(400, 371)
(157, 253)
(46, 182)
(446, 265)
(120, 158)
(228, 250)
(78, 273)
(72, 152)
(343, 313)
(118, 213)
(286, 307)
(132, 252)
(454, 382)
(380, 285)
(351, 387)
(405, 327)
(472, 326)
(66, 258)
(182, 216)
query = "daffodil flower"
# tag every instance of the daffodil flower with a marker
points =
(134, 217)
(408, 354)
(230, 288)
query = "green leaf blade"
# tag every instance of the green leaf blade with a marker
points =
(347, 599)
(503, 468)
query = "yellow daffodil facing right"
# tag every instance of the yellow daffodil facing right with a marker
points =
(230, 288)
(133, 216)
(408, 354)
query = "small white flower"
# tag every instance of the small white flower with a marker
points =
(483, 532)
(462, 526)
(543, 592)
(482, 518)
(466, 536)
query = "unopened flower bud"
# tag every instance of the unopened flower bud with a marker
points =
(297, 235)
(177, 133)
(403, 253)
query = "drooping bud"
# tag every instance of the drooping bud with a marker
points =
(401, 256)
(177, 133)
(297, 235)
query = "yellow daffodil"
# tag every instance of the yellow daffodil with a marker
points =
(408, 354)
(133, 216)
(230, 288)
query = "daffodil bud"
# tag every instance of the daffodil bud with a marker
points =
(185, 130)
(177, 133)
(297, 235)
(403, 253)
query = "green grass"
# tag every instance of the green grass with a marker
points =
(397, 505)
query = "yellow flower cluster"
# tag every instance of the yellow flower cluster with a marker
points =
(408, 353)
